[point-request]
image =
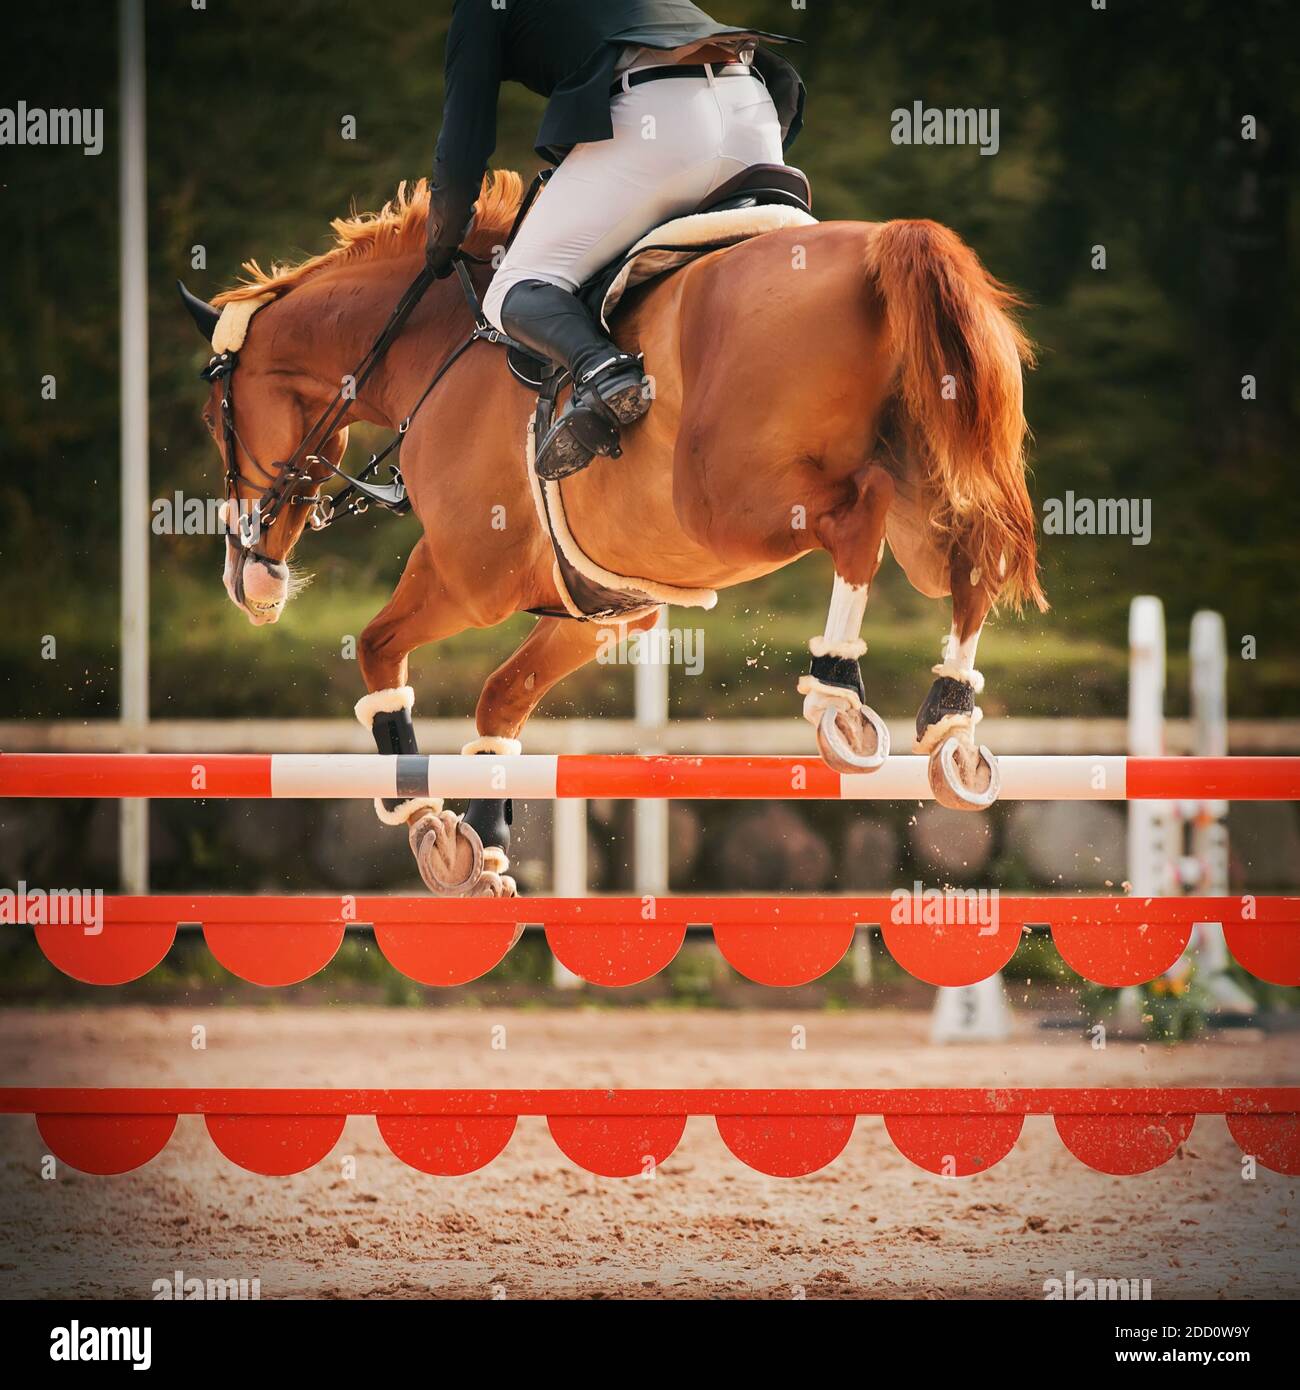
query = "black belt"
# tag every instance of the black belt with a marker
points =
(732, 69)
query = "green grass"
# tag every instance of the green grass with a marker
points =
(207, 662)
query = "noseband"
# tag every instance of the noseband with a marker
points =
(284, 481)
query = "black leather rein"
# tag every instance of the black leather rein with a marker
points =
(358, 492)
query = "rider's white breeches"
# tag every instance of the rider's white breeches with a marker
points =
(675, 141)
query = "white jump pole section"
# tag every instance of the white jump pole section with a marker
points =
(1152, 854)
(650, 818)
(1209, 677)
(1206, 867)
(569, 872)
(133, 822)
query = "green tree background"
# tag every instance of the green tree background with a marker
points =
(1120, 127)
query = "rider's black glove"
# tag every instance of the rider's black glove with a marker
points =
(450, 214)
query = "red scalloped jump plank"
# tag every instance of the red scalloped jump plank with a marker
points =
(276, 1145)
(1273, 1139)
(954, 1146)
(777, 941)
(283, 954)
(1128, 941)
(623, 1133)
(791, 950)
(1265, 951)
(786, 1146)
(617, 1146)
(106, 1144)
(446, 1145)
(1123, 1144)
(123, 951)
(954, 953)
(613, 952)
(446, 953)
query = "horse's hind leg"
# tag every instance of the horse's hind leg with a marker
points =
(555, 648)
(850, 734)
(963, 774)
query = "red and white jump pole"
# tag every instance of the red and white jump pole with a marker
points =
(198, 776)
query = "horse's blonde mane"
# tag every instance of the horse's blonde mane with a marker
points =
(397, 229)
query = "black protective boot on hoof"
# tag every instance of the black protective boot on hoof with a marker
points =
(394, 734)
(492, 820)
(609, 387)
(851, 736)
(840, 671)
(950, 704)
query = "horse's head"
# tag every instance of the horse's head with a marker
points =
(286, 348)
(260, 412)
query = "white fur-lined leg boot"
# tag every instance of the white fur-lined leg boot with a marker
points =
(851, 736)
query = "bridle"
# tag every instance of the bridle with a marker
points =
(284, 480)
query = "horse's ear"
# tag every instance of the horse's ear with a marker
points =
(203, 314)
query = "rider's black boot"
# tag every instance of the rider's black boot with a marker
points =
(609, 387)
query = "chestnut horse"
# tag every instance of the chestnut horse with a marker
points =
(840, 386)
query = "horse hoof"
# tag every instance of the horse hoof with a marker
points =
(852, 740)
(964, 777)
(492, 885)
(449, 855)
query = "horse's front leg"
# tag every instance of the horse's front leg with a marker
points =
(552, 650)
(852, 737)
(963, 774)
(456, 857)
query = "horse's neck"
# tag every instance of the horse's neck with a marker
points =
(357, 305)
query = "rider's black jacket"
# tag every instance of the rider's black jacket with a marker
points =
(566, 50)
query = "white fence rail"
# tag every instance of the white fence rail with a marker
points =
(791, 736)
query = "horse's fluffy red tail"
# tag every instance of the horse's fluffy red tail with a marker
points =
(960, 353)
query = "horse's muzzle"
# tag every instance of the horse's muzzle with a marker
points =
(256, 584)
